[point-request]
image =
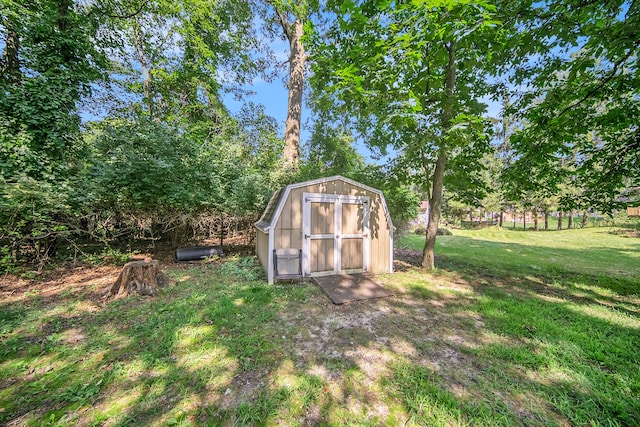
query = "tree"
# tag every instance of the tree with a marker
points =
(292, 17)
(575, 64)
(177, 58)
(331, 152)
(48, 64)
(409, 76)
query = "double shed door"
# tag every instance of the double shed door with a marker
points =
(335, 234)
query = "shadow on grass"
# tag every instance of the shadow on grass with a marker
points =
(565, 338)
(137, 358)
(531, 361)
(217, 349)
(579, 356)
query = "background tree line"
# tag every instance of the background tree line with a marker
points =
(113, 124)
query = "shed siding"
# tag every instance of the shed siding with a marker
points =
(288, 227)
(262, 248)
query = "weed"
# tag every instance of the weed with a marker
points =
(242, 268)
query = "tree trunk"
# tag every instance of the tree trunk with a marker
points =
(524, 219)
(570, 220)
(435, 202)
(297, 59)
(144, 68)
(585, 219)
(10, 63)
(141, 277)
(560, 220)
(535, 219)
(501, 218)
(435, 206)
(514, 218)
(546, 220)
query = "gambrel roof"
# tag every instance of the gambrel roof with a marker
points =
(274, 207)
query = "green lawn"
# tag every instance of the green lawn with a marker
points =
(590, 251)
(513, 328)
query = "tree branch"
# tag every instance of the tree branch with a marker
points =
(286, 26)
(426, 58)
(603, 82)
(128, 16)
(626, 15)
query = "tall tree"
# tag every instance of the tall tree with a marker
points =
(408, 75)
(292, 16)
(10, 61)
(49, 63)
(174, 60)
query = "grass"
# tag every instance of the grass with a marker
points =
(590, 252)
(513, 328)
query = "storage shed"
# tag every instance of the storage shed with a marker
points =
(325, 226)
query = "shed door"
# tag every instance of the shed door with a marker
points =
(335, 234)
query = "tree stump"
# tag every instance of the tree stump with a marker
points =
(141, 277)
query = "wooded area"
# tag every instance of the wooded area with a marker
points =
(113, 125)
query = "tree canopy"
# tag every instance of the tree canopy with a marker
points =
(575, 64)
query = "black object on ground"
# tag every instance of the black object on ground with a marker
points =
(197, 253)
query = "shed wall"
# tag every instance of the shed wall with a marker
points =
(262, 248)
(288, 228)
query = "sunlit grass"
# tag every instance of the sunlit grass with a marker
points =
(590, 251)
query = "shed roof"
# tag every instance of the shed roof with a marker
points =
(277, 201)
(269, 213)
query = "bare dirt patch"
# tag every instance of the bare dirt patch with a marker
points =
(370, 336)
(81, 283)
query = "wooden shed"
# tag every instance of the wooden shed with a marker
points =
(335, 224)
